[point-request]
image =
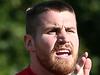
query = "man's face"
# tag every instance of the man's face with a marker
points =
(57, 41)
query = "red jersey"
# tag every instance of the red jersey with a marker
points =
(26, 71)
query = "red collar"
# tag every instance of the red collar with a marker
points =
(26, 71)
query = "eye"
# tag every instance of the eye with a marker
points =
(53, 31)
(70, 30)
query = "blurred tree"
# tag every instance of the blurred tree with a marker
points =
(14, 56)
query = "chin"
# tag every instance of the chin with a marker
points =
(62, 66)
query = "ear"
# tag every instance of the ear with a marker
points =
(29, 43)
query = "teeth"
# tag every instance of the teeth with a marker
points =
(64, 51)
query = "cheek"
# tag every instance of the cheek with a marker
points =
(75, 42)
(47, 41)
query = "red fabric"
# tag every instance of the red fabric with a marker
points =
(26, 71)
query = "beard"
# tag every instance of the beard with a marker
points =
(58, 66)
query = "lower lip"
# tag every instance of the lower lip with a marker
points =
(64, 56)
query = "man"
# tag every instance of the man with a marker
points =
(52, 41)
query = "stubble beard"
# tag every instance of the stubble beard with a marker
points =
(56, 65)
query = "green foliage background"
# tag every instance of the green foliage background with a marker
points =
(14, 56)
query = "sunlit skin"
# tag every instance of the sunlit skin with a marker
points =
(54, 49)
(56, 26)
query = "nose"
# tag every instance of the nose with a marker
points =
(62, 37)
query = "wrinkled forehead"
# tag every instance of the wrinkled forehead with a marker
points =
(57, 18)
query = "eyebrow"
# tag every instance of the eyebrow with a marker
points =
(51, 27)
(70, 27)
(57, 27)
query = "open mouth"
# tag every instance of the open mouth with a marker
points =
(63, 53)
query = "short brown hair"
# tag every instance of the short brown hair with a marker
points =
(34, 11)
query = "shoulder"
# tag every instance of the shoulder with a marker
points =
(26, 71)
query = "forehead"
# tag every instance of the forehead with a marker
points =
(56, 18)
